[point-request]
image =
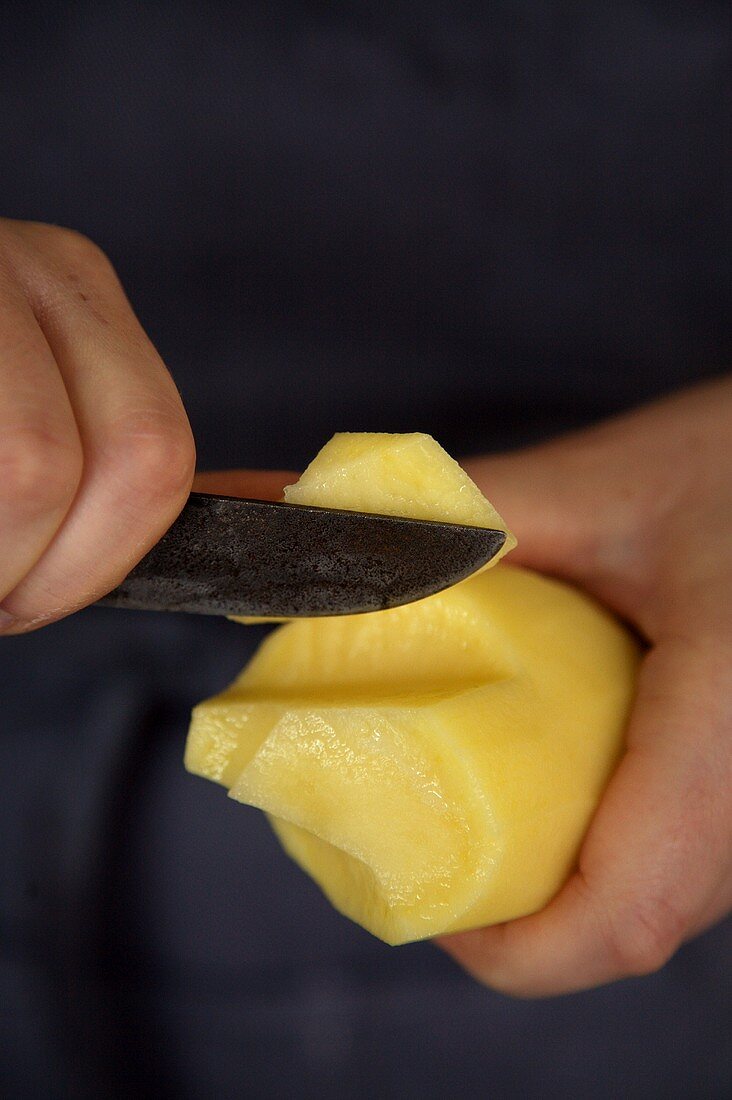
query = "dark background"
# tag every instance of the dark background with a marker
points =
(488, 222)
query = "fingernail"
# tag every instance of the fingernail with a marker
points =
(6, 621)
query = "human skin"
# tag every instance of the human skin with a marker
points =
(96, 454)
(637, 511)
(97, 459)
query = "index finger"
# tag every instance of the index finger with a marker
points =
(40, 448)
(138, 448)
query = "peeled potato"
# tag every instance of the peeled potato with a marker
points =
(434, 767)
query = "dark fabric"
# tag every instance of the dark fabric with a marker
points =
(489, 222)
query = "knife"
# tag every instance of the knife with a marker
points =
(228, 556)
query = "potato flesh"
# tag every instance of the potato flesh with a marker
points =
(397, 475)
(433, 767)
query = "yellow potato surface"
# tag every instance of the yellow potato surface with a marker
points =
(433, 767)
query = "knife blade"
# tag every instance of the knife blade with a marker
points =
(228, 556)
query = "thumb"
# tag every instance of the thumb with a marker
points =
(579, 509)
(537, 494)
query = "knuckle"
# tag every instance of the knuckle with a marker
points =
(646, 938)
(50, 256)
(39, 471)
(46, 263)
(159, 458)
(80, 249)
(69, 248)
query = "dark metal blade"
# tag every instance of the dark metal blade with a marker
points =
(225, 556)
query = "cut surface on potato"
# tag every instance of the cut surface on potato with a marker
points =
(317, 773)
(433, 767)
(396, 475)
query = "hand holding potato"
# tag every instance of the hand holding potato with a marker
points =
(638, 512)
